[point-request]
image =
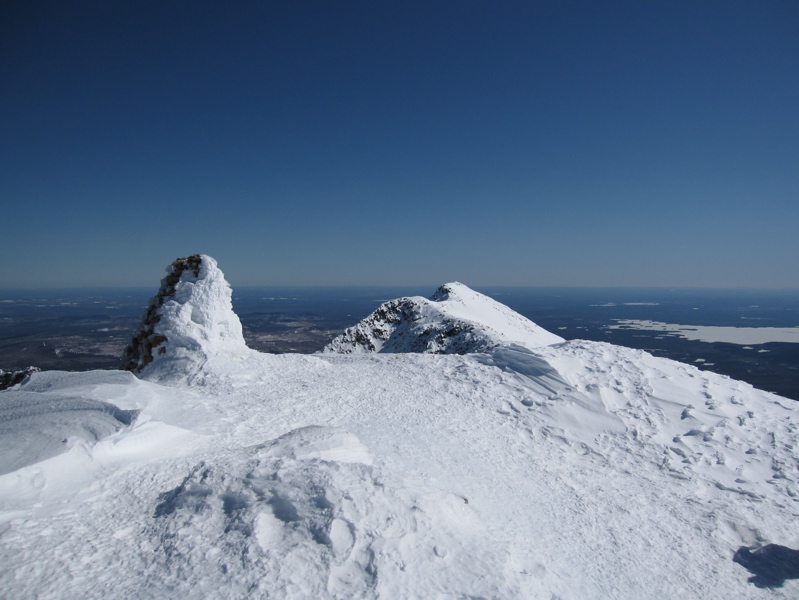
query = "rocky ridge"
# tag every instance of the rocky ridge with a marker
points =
(455, 320)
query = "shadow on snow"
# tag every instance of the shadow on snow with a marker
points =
(770, 565)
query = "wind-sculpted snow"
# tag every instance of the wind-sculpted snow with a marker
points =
(36, 426)
(455, 320)
(569, 470)
(189, 321)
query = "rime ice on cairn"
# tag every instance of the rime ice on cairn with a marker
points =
(188, 322)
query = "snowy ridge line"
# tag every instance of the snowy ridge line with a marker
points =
(455, 320)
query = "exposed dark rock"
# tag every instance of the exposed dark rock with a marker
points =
(139, 352)
(395, 327)
(12, 378)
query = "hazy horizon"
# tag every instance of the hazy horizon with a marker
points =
(154, 287)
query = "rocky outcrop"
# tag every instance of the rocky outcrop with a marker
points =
(455, 320)
(400, 326)
(11, 378)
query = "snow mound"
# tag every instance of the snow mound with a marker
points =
(323, 443)
(262, 522)
(455, 320)
(189, 322)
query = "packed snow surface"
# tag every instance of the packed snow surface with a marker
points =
(528, 469)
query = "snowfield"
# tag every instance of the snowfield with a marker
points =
(390, 466)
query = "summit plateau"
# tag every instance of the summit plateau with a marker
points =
(443, 448)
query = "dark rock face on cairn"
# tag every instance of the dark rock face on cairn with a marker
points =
(139, 352)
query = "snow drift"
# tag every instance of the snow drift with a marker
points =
(493, 461)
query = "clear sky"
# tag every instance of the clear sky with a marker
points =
(401, 143)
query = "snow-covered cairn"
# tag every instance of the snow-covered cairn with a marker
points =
(187, 322)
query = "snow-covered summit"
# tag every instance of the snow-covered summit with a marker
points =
(569, 470)
(188, 321)
(455, 320)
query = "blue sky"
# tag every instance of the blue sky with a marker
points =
(401, 143)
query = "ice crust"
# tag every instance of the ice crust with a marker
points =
(526, 467)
